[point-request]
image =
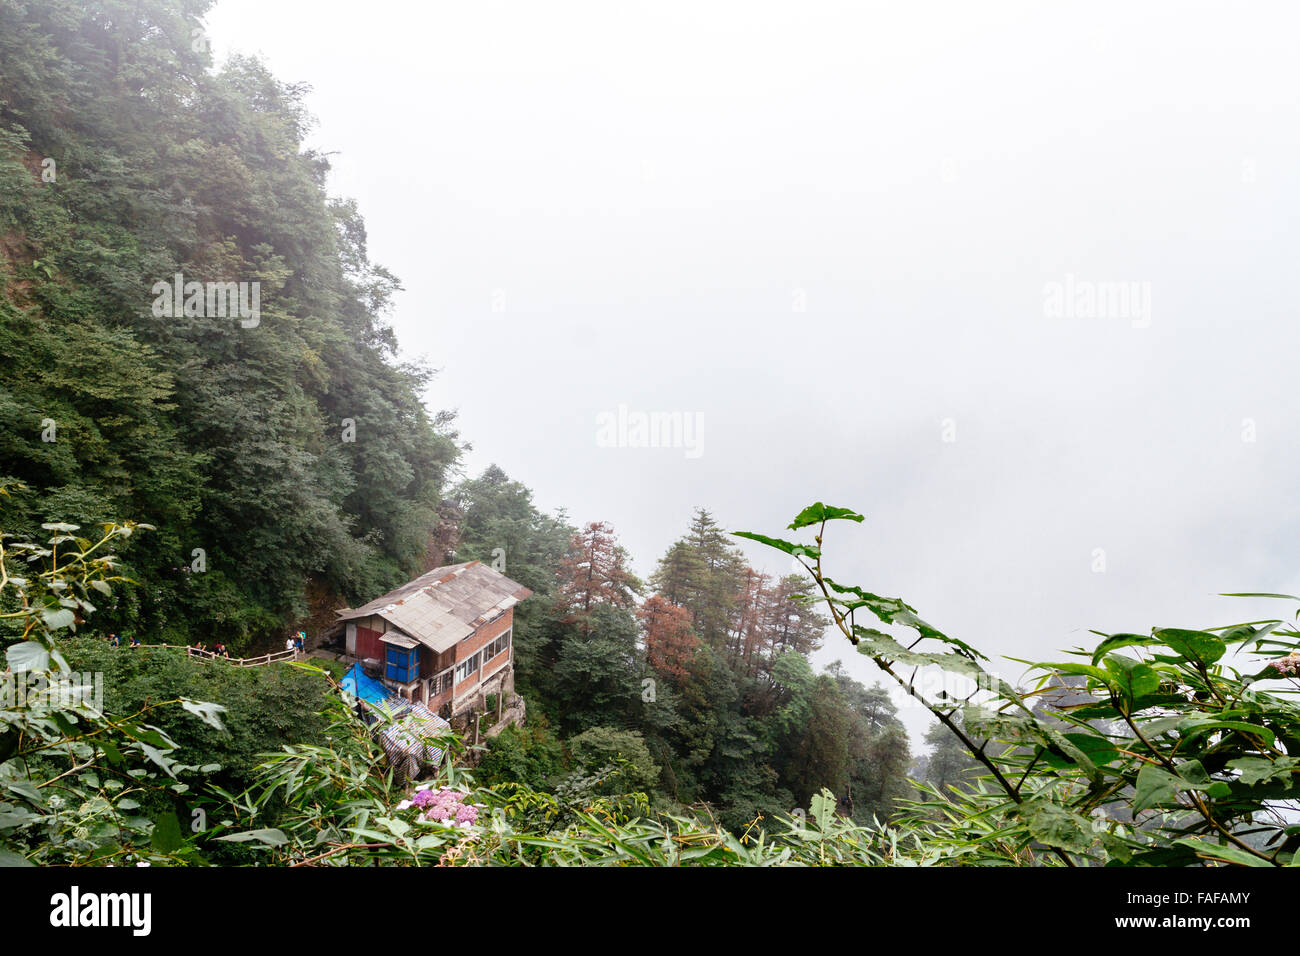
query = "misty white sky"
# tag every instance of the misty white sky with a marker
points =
(594, 204)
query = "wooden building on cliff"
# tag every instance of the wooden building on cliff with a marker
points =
(444, 640)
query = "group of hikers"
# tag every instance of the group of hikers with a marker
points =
(218, 650)
(297, 644)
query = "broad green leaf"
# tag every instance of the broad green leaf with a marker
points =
(874, 643)
(110, 751)
(1133, 678)
(789, 547)
(822, 808)
(58, 618)
(1097, 748)
(1158, 787)
(1245, 632)
(895, 611)
(167, 833)
(27, 790)
(1257, 769)
(1058, 827)
(205, 711)
(1195, 725)
(1055, 738)
(1198, 646)
(1104, 677)
(158, 757)
(1193, 771)
(817, 513)
(27, 656)
(63, 722)
(1106, 711)
(271, 837)
(1115, 641)
(1223, 852)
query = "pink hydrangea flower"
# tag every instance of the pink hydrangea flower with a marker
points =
(443, 805)
(1289, 664)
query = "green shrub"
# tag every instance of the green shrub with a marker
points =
(1157, 749)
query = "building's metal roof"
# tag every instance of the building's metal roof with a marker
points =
(400, 639)
(444, 605)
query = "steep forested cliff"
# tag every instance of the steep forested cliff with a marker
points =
(291, 451)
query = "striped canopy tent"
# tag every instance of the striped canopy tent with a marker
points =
(407, 734)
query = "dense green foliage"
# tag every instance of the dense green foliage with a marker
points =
(707, 679)
(1169, 757)
(228, 439)
(265, 708)
(79, 784)
(1163, 754)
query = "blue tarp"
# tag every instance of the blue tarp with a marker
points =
(358, 684)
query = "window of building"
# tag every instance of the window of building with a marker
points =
(468, 667)
(497, 646)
